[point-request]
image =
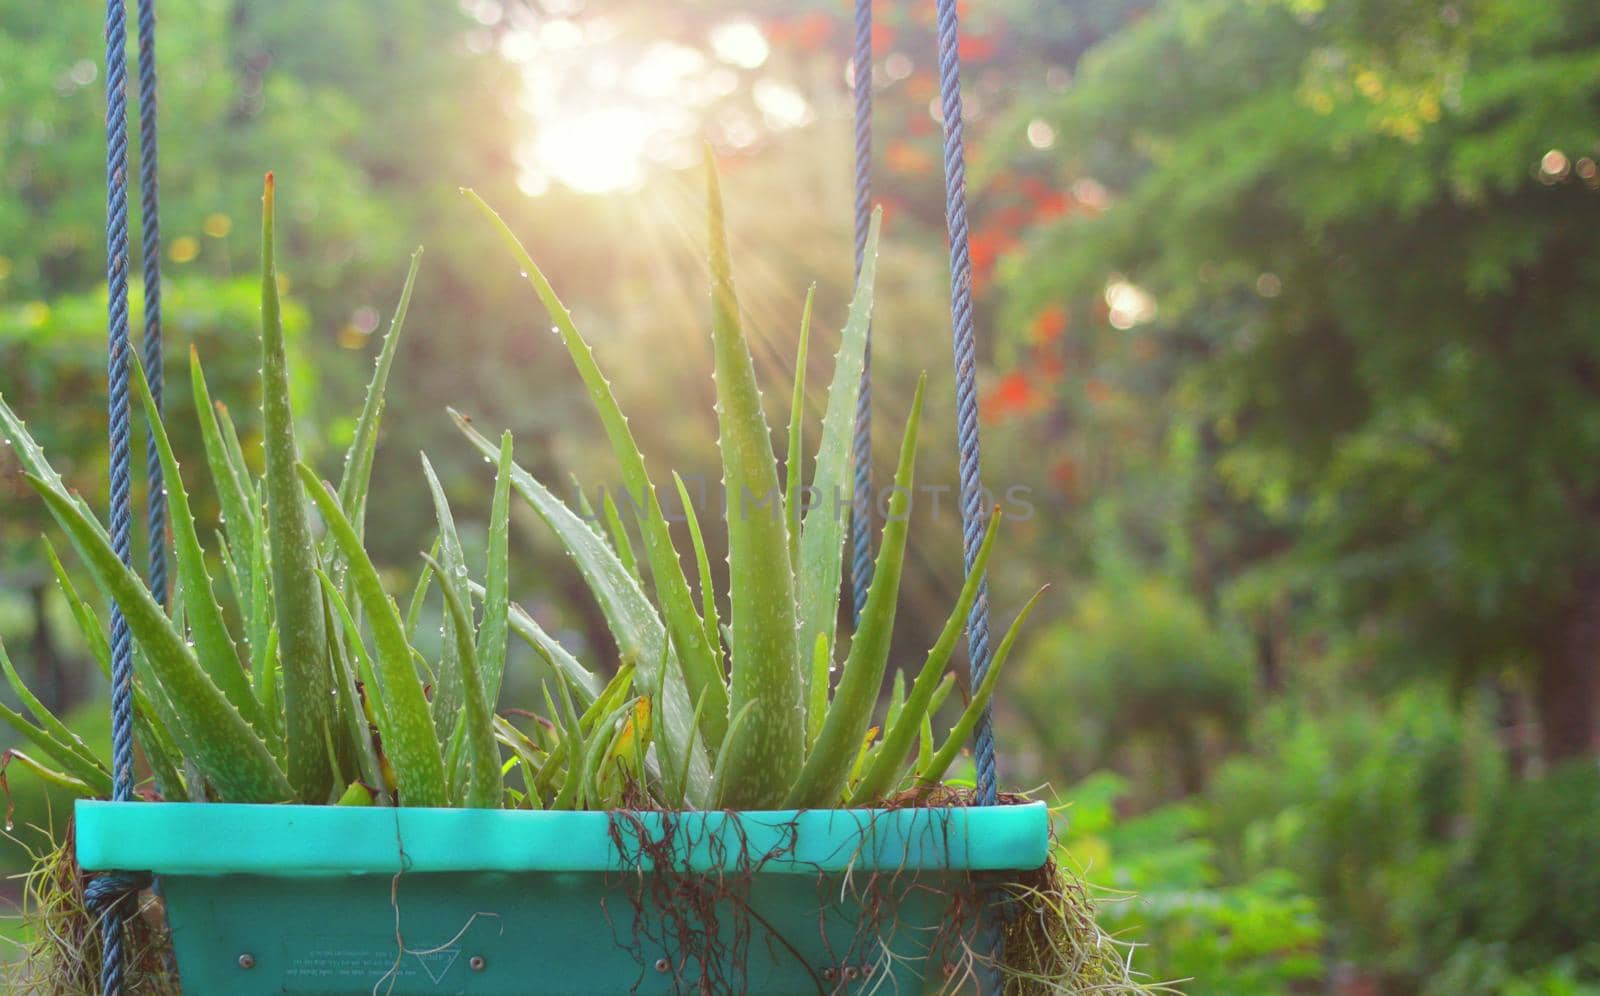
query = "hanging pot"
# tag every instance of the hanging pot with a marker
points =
(331, 899)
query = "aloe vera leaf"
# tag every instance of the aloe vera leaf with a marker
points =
(412, 745)
(794, 456)
(823, 778)
(525, 755)
(272, 681)
(235, 582)
(708, 591)
(623, 750)
(449, 567)
(861, 753)
(581, 501)
(585, 683)
(962, 730)
(700, 667)
(924, 742)
(373, 705)
(821, 671)
(941, 693)
(619, 535)
(238, 503)
(355, 716)
(925, 745)
(420, 592)
(595, 750)
(889, 767)
(484, 786)
(150, 698)
(630, 617)
(50, 735)
(357, 475)
(615, 691)
(153, 736)
(897, 698)
(163, 756)
(30, 457)
(45, 773)
(766, 669)
(820, 569)
(561, 741)
(61, 738)
(213, 644)
(261, 624)
(230, 754)
(297, 597)
(241, 466)
(572, 782)
(494, 629)
(638, 747)
(719, 774)
(584, 722)
(675, 782)
(84, 616)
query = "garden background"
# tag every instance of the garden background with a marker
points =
(1290, 367)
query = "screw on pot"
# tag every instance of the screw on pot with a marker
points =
(868, 969)
(476, 963)
(247, 960)
(663, 965)
(829, 974)
(850, 973)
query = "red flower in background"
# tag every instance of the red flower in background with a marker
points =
(906, 157)
(1048, 364)
(1064, 475)
(986, 248)
(1050, 324)
(1014, 394)
(808, 31)
(976, 48)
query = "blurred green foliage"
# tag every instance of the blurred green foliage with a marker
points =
(1161, 887)
(1105, 679)
(1523, 894)
(1368, 806)
(1362, 226)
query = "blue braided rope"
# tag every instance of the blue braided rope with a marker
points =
(861, 447)
(150, 232)
(973, 514)
(118, 410)
(109, 897)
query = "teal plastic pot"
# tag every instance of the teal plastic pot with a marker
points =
(328, 899)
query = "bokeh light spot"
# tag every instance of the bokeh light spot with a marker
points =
(184, 249)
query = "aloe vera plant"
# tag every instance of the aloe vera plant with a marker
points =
(763, 712)
(294, 675)
(296, 678)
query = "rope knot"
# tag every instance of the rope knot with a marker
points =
(105, 892)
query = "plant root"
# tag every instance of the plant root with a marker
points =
(61, 956)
